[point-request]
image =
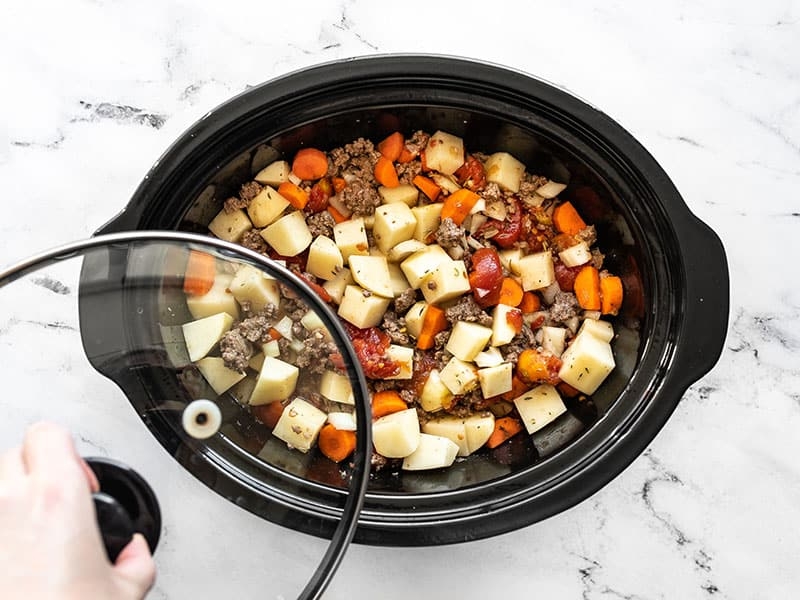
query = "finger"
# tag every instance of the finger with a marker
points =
(94, 485)
(135, 564)
(11, 464)
(48, 450)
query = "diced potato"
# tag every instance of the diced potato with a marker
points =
(403, 250)
(270, 348)
(351, 237)
(405, 193)
(586, 362)
(336, 286)
(274, 174)
(256, 361)
(343, 421)
(435, 395)
(428, 219)
(536, 270)
(414, 318)
(325, 260)
(404, 356)
(254, 286)
(230, 226)
(372, 273)
(421, 264)
(491, 357)
(218, 299)
(510, 259)
(300, 424)
(495, 380)
(602, 330)
(502, 330)
(433, 452)
(266, 207)
(553, 339)
(444, 153)
(539, 406)
(447, 281)
(397, 279)
(396, 435)
(504, 170)
(449, 427)
(203, 334)
(289, 235)
(276, 381)
(313, 322)
(576, 255)
(459, 376)
(551, 189)
(394, 223)
(336, 387)
(479, 428)
(467, 340)
(218, 376)
(360, 310)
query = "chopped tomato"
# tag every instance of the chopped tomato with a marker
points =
(486, 276)
(471, 174)
(514, 319)
(318, 197)
(565, 276)
(320, 291)
(371, 345)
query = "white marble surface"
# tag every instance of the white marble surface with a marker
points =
(95, 90)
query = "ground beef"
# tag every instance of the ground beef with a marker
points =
(450, 235)
(466, 309)
(395, 328)
(407, 171)
(405, 301)
(299, 331)
(250, 190)
(417, 142)
(565, 306)
(440, 339)
(234, 203)
(360, 197)
(492, 192)
(316, 353)
(253, 240)
(293, 307)
(597, 258)
(354, 161)
(408, 396)
(235, 350)
(256, 328)
(523, 340)
(321, 223)
(588, 234)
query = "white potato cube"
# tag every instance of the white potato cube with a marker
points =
(405, 193)
(448, 280)
(325, 260)
(491, 357)
(449, 427)
(510, 259)
(336, 387)
(435, 395)
(467, 340)
(553, 339)
(230, 226)
(415, 317)
(576, 255)
(602, 330)
(539, 406)
(254, 286)
(404, 356)
(444, 153)
(218, 299)
(394, 223)
(270, 348)
(396, 435)
(397, 279)
(479, 428)
(218, 376)
(421, 264)
(586, 363)
(336, 286)
(203, 334)
(276, 381)
(433, 452)
(274, 174)
(360, 310)
(343, 421)
(289, 235)
(372, 273)
(351, 237)
(504, 170)
(459, 376)
(313, 322)
(428, 219)
(495, 380)
(503, 326)
(300, 424)
(536, 270)
(266, 207)
(403, 250)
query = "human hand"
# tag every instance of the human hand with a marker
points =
(50, 545)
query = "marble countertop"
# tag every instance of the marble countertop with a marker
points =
(95, 90)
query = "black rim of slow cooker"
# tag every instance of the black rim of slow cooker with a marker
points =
(610, 445)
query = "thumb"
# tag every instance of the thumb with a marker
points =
(135, 565)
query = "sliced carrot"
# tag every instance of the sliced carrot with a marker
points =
(385, 173)
(310, 163)
(336, 444)
(504, 429)
(427, 186)
(406, 156)
(296, 196)
(610, 294)
(530, 303)
(510, 292)
(274, 334)
(458, 204)
(518, 387)
(537, 367)
(339, 184)
(387, 402)
(268, 414)
(392, 146)
(587, 288)
(567, 220)
(201, 270)
(434, 322)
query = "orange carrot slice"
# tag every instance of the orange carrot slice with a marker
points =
(296, 196)
(336, 444)
(458, 204)
(587, 288)
(310, 163)
(201, 270)
(387, 402)
(385, 173)
(504, 429)
(392, 146)
(610, 294)
(567, 220)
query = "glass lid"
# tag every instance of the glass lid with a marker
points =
(232, 363)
